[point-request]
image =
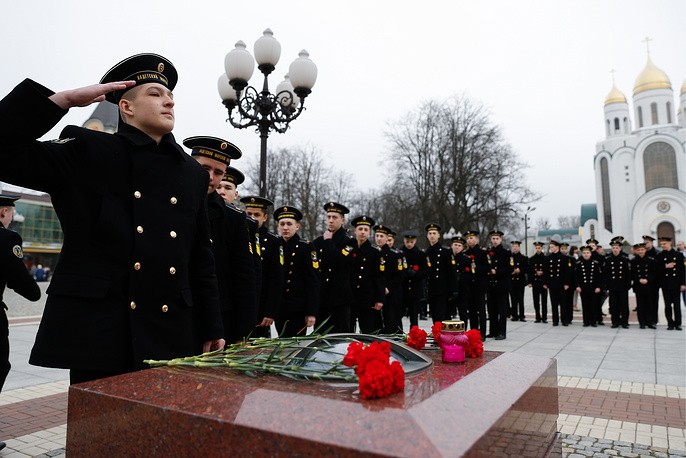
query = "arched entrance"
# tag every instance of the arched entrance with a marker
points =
(665, 229)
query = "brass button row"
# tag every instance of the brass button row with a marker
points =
(165, 307)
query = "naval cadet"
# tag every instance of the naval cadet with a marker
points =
(13, 275)
(230, 241)
(413, 281)
(334, 249)
(479, 272)
(596, 254)
(271, 252)
(394, 266)
(617, 280)
(587, 280)
(153, 295)
(441, 277)
(300, 290)
(643, 282)
(518, 281)
(537, 281)
(651, 252)
(500, 265)
(672, 280)
(567, 304)
(463, 266)
(367, 281)
(558, 271)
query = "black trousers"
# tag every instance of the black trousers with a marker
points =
(517, 301)
(655, 301)
(555, 292)
(498, 304)
(644, 304)
(589, 303)
(438, 305)
(411, 304)
(463, 301)
(291, 324)
(619, 308)
(540, 301)
(338, 318)
(392, 313)
(4, 346)
(672, 306)
(477, 307)
(567, 306)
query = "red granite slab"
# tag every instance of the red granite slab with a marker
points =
(501, 404)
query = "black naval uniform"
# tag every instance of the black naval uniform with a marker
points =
(500, 261)
(394, 268)
(617, 280)
(463, 268)
(235, 268)
(670, 280)
(603, 294)
(272, 279)
(477, 299)
(367, 282)
(588, 277)
(300, 291)
(644, 268)
(567, 304)
(136, 276)
(518, 282)
(14, 275)
(537, 280)
(441, 280)
(335, 264)
(413, 281)
(558, 274)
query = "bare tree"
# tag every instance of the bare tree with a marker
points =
(568, 221)
(459, 168)
(543, 223)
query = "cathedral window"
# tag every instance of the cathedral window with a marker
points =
(607, 128)
(616, 125)
(640, 117)
(626, 126)
(605, 183)
(653, 113)
(669, 112)
(659, 163)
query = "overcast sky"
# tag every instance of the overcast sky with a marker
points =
(543, 68)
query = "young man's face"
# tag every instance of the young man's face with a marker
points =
(496, 240)
(390, 241)
(593, 246)
(362, 233)
(649, 244)
(215, 169)
(553, 248)
(334, 221)
(640, 251)
(150, 108)
(6, 216)
(515, 248)
(380, 239)
(472, 241)
(665, 245)
(433, 237)
(228, 191)
(539, 249)
(457, 247)
(586, 254)
(600, 250)
(288, 227)
(258, 214)
(564, 249)
(616, 250)
(410, 243)
(680, 246)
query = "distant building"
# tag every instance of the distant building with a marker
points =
(640, 166)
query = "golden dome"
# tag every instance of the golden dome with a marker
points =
(615, 96)
(651, 78)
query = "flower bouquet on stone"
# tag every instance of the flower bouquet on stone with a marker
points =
(378, 376)
(416, 338)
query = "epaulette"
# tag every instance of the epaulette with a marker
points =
(305, 241)
(238, 210)
(376, 247)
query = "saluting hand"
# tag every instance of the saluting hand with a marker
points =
(84, 96)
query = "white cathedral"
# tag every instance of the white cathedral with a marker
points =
(640, 166)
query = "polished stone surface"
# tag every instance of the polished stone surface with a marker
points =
(500, 404)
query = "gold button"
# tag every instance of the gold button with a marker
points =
(172, 234)
(165, 308)
(139, 229)
(172, 270)
(137, 266)
(133, 305)
(137, 194)
(173, 200)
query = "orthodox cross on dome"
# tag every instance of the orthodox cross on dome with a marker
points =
(612, 72)
(647, 41)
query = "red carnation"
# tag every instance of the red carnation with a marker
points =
(398, 376)
(475, 347)
(351, 356)
(436, 332)
(491, 253)
(416, 338)
(415, 267)
(377, 381)
(471, 256)
(378, 378)
(467, 269)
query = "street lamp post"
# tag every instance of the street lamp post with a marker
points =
(526, 229)
(263, 109)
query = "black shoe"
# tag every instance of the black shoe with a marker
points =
(522, 320)
(594, 325)
(650, 326)
(501, 337)
(677, 328)
(422, 317)
(555, 324)
(600, 323)
(2, 445)
(614, 326)
(545, 321)
(625, 326)
(586, 325)
(538, 320)
(642, 326)
(515, 319)
(489, 336)
(670, 328)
